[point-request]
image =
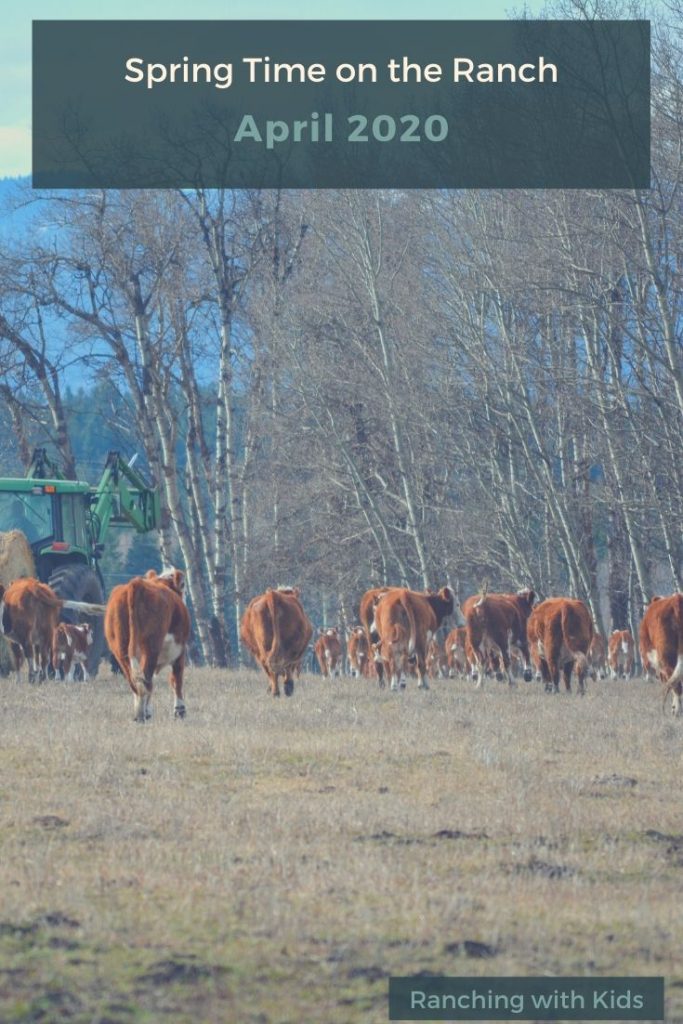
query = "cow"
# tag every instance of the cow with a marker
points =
(597, 656)
(328, 651)
(147, 628)
(358, 651)
(276, 629)
(366, 614)
(70, 648)
(621, 651)
(560, 631)
(29, 613)
(456, 653)
(437, 664)
(496, 623)
(405, 621)
(661, 644)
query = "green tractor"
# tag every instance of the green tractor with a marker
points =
(66, 524)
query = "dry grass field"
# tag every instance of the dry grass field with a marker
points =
(273, 862)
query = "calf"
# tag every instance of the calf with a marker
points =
(328, 651)
(147, 627)
(29, 612)
(621, 650)
(597, 656)
(70, 648)
(358, 651)
(661, 644)
(560, 631)
(456, 652)
(437, 664)
(495, 624)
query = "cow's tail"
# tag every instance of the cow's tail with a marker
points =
(571, 631)
(677, 674)
(272, 608)
(412, 628)
(85, 607)
(134, 626)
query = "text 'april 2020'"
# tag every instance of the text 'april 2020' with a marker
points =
(357, 128)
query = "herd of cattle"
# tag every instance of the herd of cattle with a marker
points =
(147, 627)
(398, 630)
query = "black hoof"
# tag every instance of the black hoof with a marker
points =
(528, 676)
(289, 687)
(179, 712)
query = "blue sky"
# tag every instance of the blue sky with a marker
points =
(15, 39)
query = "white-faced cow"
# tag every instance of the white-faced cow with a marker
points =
(621, 654)
(328, 651)
(597, 655)
(358, 651)
(70, 646)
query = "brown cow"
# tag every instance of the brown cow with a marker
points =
(621, 652)
(276, 629)
(358, 651)
(437, 663)
(456, 652)
(29, 612)
(661, 644)
(366, 614)
(495, 624)
(147, 627)
(560, 631)
(70, 648)
(328, 651)
(405, 622)
(597, 655)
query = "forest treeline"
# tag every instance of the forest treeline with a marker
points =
(339, 389)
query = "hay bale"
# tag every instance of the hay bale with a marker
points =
(16, 557)
(16, 562)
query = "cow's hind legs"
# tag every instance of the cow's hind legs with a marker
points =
(142, 694)
(141, 708)
(177, 686)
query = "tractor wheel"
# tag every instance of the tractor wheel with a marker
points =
(80, 583)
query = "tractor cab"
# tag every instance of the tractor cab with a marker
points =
(66, 522)
(52, 514)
